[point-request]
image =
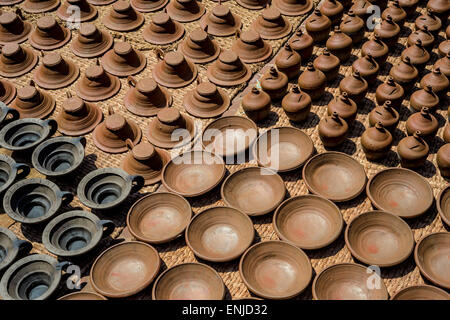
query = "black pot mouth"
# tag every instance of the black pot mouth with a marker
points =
(8, 172)
(24, 134)
(8, 248)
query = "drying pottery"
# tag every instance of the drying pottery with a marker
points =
(122, 17)
(163, 30)
(361, 9)
(404, 73)
(250, 47)
(185, 10)
(142, 5)
(10, 171)
(446, 134)
(409, 6)
(329, 64)
(256, 104)
(48, 34)
(75, 233)
(288, 61)
(425, 36)
(443, 160)
(12, 27)
(219, 234)
(424, 122)
(125, 269)
(11, 248)
(440, 7)
(253, 190)
(82, 295)
(431, 256)
(7, 94)
(228, 70)
(355, 86)
(220, 21)
(193, 173)
(348, 281)
(429, 19)
(293, 7)
(56, 72)
(417, 54)
(206, 101)
(390, 90)
(313, 82)
(302, 43)
(388, 31)
(340, 44)
(332, 130)
(274, 83)
(8, 114)
(353, 26)
(438, 82)
(376, 142)
(123, 60)
(32, 201)
(275, 270)
(253, 4)
(189, 281)
(388, 116)
(308, 221)
(422, 292)
(159, 217)
(85, 10)
(271, 25)
(335, 176)
(424, 98)
(367, 67)
(173, 70)
(444, 48)
(91, 41)
(344, 107)
(413, 151)
(199, 47)
(39, 6)
(377, 48)
(16, 60)
(33, 103)
(296, 105)
(318, 26)
(396, 12)
(333, 9)
(443, 204)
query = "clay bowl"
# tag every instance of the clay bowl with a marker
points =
(59, 156)
(347, 281)
(431, 256)
(11, 248)
(229, 136)
(308, 221)
(82, 295)
(125, 269)
(193, 173)
(335, 176)
(107, 188)
(443, 205)
(275, 270)
(189, 281)
(253, 190)
(422, 292)
(283, 149)
(159, 217)
(220, 234)
(75, 233)
(11, 171)
(400, 191)
(379, 238)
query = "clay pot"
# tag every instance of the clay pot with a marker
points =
(440, 7)
(361, 9)
(250, 47)
(417, 54)
(288, 62)
(353, 26)
(163, 30)
(253, 4)
(396, 12)
(421, 292)
(228, 70)
(443, 160)
(256, 104)
(274, 83)
(390, 90)
(429, 19)
(82, 295)
(424, 98)
(367, 67)
(97, 85)
(173, 70)
(293, 7)
(318, 26)
(221, 21)
(170, 129)
(329, 64)
(141, 5)
(333, 9)
(344, 107)
(87, 11)
(33, 103)
(332, 130)
(8, 114)
(122, 17)
(425, 36)
(7, 94)
(303, 44)
(437, 81)
(12, 27)
(16, 60)
(123, 60)
(377, 48)
(55, 72)
(296, 105)
(340, 44)
(48, 34)
(185, 10)
(355, 86)
(409, 6)
(388, 116)
(404, 73)
(376, 142)
(91, 41)
(199, 47)
(388, 31)
(10, 172)
(446, 134)
(444, 48)
(39, 6)
(270, 24)
(206, 101)
(424, 122)
(12, 248)
(313, 82)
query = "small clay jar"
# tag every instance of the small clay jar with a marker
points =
(333, 9)
(388, 116)
(444, 48)
(417, 54)
(444, 65)
(344, 107)
(424, 98)
(293, 7)
(86, 11)
(256, 104)
(138, 5)
(162, 30)
(443, 160)
(409, 6)
(440, 7)
(91, 41)
(340, 44)
(296, 105)
(360, 8)
(377, 48)
(303, 44)
(424, 122)
(437, 81)
(329, 64)
(55, 72)
(313, 82)
(353, 26)
(413, 151)
(332, 130)
(173, 70)
(429, 19)
(396, 12)
(274, 83)
(367, 67)
(288, 61)
(7, 91)
(271, 25)
(122, 17)
(318, 26)
(404, 73)
(250, 47)
(446, 134)
(13, 28)
(123, 60)
(48, 34)
(39, 6)
(33, 103)
(228, 70)
(185, 10)
(390, 90)
(425, 36)
(199, 47)
(355, 86)
(16, 60)
(388, 31)
(220, 21)
(376, 142)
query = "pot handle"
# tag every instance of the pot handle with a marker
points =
(24, 246)
(137, 182)
(81, 140)
(131, 81)
(14, 113)
(24, 170)
(66, 197)
(108, 227)
(159, 54)
(53, 126)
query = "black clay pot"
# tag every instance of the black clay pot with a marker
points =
(11, 248)
(8, 114)
(10, 171)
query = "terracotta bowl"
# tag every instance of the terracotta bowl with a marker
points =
(229, 136)
(253, 190)
(443, 204)
(379, 238)
(335, 176)
(193, 173)
(308, 221)
(11, 248)
(220, 234)
(422, 292)
(348, 281)
(400, 191)
(275, 270)
(125, 269)
(159, 217)
(83, 296)
(431, 256)
(189, 281)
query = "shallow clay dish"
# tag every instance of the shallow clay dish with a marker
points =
(443, 205)
(189, 281)
(432, 257)
(220, 234)
(422, 292)
(125, 269)
(308, 221)
(253, 190)
(400, 191)
(275, 270)
(159, 217)
(379, 238)
(193, 173)
(83, 296)
(283, 149)
(335, 176)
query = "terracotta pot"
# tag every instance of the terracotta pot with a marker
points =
(48, 34)
(122, 17)
(318, 26)
(87, 11)
(376, 142)
(333, 9)
(443, 160)
(409, 6)
(425, 36)
(16, 60)
(377, 48)
(303, 44)
(417, 54)
(390, 90)
(388, 31)
(296, 105)
(101, 2)
(424, 122)
(12, 27)
(274, 83)
(440, 7)
(256, 104)
(429, 19)
(39, 6)
(271, 25)
(396, 12)
(313, 82)
(33, 103)
(221, 21)
(353, 26)
(185, 10)
(288, 61)
(123, 60)
(446, 134)
(250, 47)
(11, 172)
(388, 116)
(56, 72)
(96, 84)
(173, 70)
(293, 7)
(91, 41)
(7, 93)
(78, 117)
(82, 295)
(344, 107)
(16, 248)
(140, 5)
(367, 67)
(333, 130)
(424, 98)
(228, 70)
(163, 30)
(404, 73)
(8, 114)
(355, 86)
(444, 48)
(329, 64)
(361, 9)
(421, 292)
(253, 4)
(340, 44)
(437, 81)
(199, 47)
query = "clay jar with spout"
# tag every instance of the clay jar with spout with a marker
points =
(355, 86)
(91, 41)
(199, 47)
(163, 30)
(220, 21)
(390, 90)
(444, 65)
(417, 54)
(425, 36)
(256, 104)
(377, 48)
(413, 151)
(409, 6)
(344, 107)
(32, 103)
(313, 82)
(123, 60)
(443, 160)
(206, 100)
(288, 61)
(173, 70)
(367, 67)
(303, 44)
(250, 47)
(228, 70)
(396, 12)
(318, 26)
(404, 73)
(86, 11)
(333, 9)
(16, 60)
(48, 34)
(13, 28)
(39, 6)
(185, 10)
(424, 98)
(388, 116)
(329, 64)
(122, 17)
(437, 81)
(424, 122)
(429, 19)
(332, 130)
(376, 142)
(271, 25)
(296, 105)
(340, 45)
(353, 26)
(56, 72)
(440, 7)
(274, 83)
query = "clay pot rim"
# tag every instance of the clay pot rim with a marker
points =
(13, 253)
(61, 13)
(224, 83)
(75, 133)
(180, 18)
(133, 26)
(438, 205)
(110, 69)
(143, 9)
(25, 7)
(125, 293)
(13, 174)
(112, 90)
(68, 81)
(32, 63)
(168, 38)
(101, 49)
(222, 33)
(421, 286)
(27, 28)
(205, 115)
(289, 10)
(13, 91)
(387, 216)
(280, 233)
(47, 100)
(75, 294)
(55, 46)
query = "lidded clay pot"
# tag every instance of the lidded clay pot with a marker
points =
(340, 44)
(409, 6)
(437, 81)
(220, 21)
(440, 7)
(355, 86)
(33, 103)
(48, 34)
(396, 12)
(443, 160)
(87, 11)
(353, 26)
(173, 70)
(377, 48)
(413, 151)
(296, 105)
(7, 92)
(288, 61)
(376, 142)
(250, 47)
(162, 30)
(39, 6)
(425, 36)
(390, 90)
(360, 8)
(138, 5)
(444, 48)
(110, 136)
(91, 41)
(367, 67)
(274, 83)
(318, 26)
(55, 72)
(404, 73)
(332, 130)
(145, 97)
(313, 82)
(388, 31)
(13, 28)
(185, 10)
(16, 60)
(228, 70)
(303, 44)
(199, 47)
(424, 122)
(344, 107)
(444, 65)
(122, 17)
(429, 19)
(293, 7)
(253, 4)
(123, 60)
(424, 98)
(388, 116)
(333, 9)
(329, 64)
(256, 104)
(417, 54)
(270, 24)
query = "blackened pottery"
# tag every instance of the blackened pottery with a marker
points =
(10, 171)
(11, 247)
(8, 114)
